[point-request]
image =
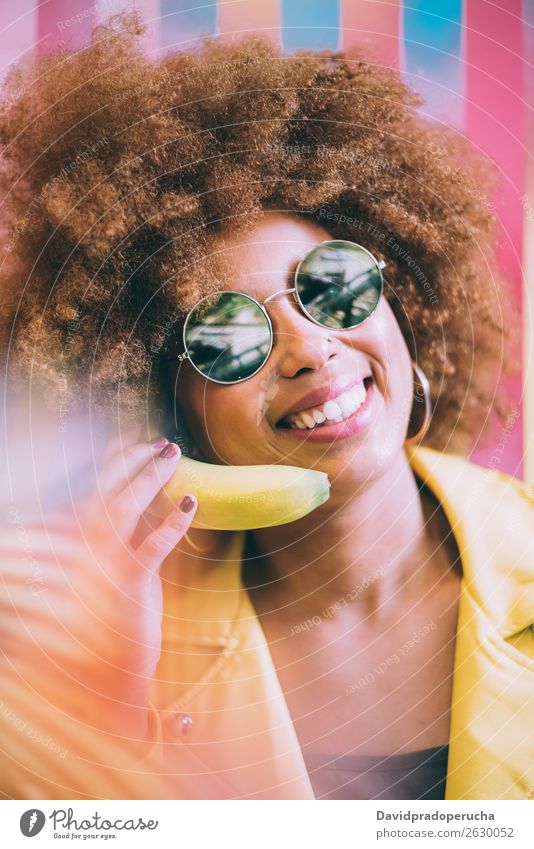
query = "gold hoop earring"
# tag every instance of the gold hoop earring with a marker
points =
(424, 396)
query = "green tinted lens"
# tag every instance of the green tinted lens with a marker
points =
(228, 337)
(339, 284)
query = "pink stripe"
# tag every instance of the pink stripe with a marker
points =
(494, 120)
(240, 17)
(373, 26)
(69, 22)
(528, 216)
(65, 23)
(18, 29)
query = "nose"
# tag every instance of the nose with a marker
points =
(301, 346)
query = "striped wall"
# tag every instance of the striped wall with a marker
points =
(467, 57)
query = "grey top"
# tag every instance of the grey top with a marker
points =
(412, 775)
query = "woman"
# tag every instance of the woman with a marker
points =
(380, 646)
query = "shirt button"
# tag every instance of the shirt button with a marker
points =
(180, 724)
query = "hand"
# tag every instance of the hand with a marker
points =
(91, 639)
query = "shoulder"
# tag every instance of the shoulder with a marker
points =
(491, 514)
(470, 488)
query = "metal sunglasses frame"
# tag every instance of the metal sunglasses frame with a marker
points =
(380, 264)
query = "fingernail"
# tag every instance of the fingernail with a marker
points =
(186, 504)
(159, 442)
(170, 450)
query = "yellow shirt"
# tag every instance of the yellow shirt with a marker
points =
(231, 715)
(220, 724)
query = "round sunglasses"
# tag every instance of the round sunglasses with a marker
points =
(228, 336)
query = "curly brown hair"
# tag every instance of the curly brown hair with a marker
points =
(119, 172)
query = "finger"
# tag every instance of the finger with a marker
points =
(127, 464)
(127, 507)
(159, 544)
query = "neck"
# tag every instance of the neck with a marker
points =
(373, 537)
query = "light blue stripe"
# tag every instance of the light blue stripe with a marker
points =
(185, 20)
(433, 55)
(312, 24)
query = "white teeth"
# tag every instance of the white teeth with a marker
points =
(332, 410)
(348, 403)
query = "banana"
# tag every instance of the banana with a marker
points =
(237, 498)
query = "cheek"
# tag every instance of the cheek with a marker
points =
(391, 355)
(225, 420)
(384, 344)
(399, 366)
(398, 399)
(389, 345)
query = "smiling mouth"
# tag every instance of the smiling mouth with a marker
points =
(335, 410)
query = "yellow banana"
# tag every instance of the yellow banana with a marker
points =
(235, 498)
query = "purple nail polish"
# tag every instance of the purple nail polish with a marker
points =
(186, 504)
(170, 450)
(159, 442)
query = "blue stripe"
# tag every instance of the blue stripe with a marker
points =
(433, 55)
(184, 20)
(311, 24)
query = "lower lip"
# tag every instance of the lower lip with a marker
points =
(356, 423)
